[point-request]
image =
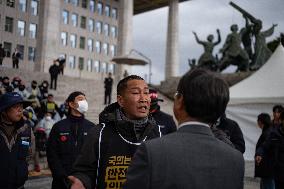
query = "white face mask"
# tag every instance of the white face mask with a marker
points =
(48, 118)
(83, 106)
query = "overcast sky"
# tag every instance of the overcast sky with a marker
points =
(203, 17)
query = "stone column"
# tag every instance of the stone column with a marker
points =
(48, 34)
(172, 58)
(125, 23)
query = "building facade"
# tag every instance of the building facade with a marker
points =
(84, 32)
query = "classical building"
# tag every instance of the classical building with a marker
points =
(87, 33)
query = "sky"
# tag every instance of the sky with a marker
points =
(203, 17)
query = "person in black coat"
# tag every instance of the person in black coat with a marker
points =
(2, 54)
(274, 144)
(15, 142)
(164, 120)
(15, 58)
(264, 169)
(108, 88)
(233, 131)
(66, 139)
(54, 71)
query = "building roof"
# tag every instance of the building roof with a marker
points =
(141, 6)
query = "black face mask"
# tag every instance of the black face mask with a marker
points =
(6, 84)
(33, 86)
(21, 88)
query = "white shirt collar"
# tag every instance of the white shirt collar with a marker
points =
(193, 123)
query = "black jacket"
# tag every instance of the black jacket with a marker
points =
(233, 131)
(265, 168)
(54, 70)
(274, 144)
(13, 164)
(108, 150)
(64, 144)
(108, 84)
(165, 121)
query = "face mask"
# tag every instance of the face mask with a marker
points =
(48, 118)
(33, 86)
(83, 106)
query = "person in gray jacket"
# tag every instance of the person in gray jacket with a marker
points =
(192, 157)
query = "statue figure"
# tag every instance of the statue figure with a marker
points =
(261, 51)
(233, 52)
(192, 63)
(247, 38)
(207, 60)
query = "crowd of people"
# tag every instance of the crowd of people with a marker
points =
(135, 144)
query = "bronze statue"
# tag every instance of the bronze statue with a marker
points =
(261, 51)
(233, 52)
(207, 60)
(247, 38)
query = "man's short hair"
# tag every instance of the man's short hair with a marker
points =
(122, 84)
(205, 95)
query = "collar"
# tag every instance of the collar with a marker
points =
(193, 123)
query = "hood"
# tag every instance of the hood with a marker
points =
(109, 113)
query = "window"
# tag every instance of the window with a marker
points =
(81, 63)
(96, 66)
(21, 28)
(91, 23)
(23, 5)
(112, 49)
(105, 48)
(73, 39)
(92, 5)
(83, 22)
(82, 42)
(75, 2)
(106, 30)
(84, 4)
(100, 8)
(107, 10)
(110, 68)
(34, 7)
(72, 62)
(65, 16)
(32, 31)
(98, 47)
(64, 38)
(114, 13)
(113, 31)
(66, 1)
(9, 24)
(90, 45)
(8, 48)
(89, 65)
(103, 67)
(99, 27)
(21, 49)
(74, 19)
(31, 55)
(10, 3)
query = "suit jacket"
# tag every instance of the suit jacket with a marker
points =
(191, 158)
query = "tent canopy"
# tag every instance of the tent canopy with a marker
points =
(257, 94)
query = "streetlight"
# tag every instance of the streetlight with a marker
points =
(131, 60)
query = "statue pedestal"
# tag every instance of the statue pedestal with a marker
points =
(169, 86)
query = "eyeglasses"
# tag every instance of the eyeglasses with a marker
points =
(177, 94)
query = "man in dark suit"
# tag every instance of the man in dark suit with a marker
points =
(192, 157)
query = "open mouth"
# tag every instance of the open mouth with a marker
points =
(143, 108)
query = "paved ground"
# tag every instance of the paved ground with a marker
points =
(44, 182)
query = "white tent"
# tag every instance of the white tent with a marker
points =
(256, 94)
